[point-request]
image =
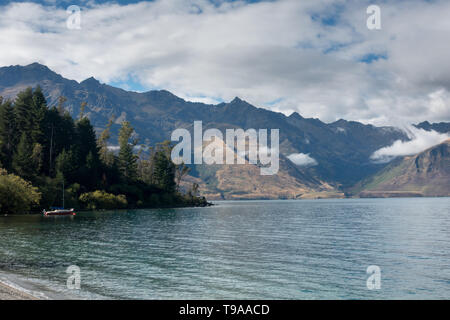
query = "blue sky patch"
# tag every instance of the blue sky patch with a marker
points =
(371, 57)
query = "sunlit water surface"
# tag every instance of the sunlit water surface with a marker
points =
(318, 249)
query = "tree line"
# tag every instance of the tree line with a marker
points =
(43, 148)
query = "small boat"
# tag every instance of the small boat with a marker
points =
(59, 212)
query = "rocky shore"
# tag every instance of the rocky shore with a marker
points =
(9, 293)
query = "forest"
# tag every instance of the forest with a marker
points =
(44, 150)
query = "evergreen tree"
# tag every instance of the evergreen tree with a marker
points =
(87, 141)
(164, 171)
(127, 159)
(88, 154)
(22, 108)
(37, 157)
(38, 110)
(22, 162)
(105, 156)
(47, 147)
(7, 134)
(60, 135)
(65, 163)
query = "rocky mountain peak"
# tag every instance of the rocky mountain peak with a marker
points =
(90, 82)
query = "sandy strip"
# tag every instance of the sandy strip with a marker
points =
(9, 293)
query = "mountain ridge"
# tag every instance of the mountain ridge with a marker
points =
(342, 149)
(424, 174)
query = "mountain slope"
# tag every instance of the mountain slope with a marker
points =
(245, 181)
(442, 127)
(425, 174)
(341, 149)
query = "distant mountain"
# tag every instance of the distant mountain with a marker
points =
(245, 182)
(442, 127)
(341, 149)
(425, 174)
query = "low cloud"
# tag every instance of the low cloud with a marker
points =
(285, 55)
(420, 141)
(302, 159)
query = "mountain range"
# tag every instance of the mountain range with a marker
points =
(340, 151)
(425, 174)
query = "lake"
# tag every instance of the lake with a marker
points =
(308, 249)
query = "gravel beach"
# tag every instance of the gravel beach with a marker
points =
(9, 293)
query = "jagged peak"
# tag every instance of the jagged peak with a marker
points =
(295, 115)
(240, 103)
(90, 81)
(36, 64)
(237, 100)
(31, 66)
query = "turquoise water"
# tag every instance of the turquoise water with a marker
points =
(318, 249)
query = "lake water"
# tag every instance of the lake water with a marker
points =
(309, 249)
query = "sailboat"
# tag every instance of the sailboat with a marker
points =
(55, 211)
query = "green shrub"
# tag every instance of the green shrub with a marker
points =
(102, 200)
(16, 194)
(154, 200)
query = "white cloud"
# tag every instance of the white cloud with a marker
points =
(262, 52)
(420, 141)
(302, 159)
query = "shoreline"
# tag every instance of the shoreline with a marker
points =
(10, 293)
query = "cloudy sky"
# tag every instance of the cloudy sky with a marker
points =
(314, 57)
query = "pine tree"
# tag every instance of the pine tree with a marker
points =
(164, 171)
(87, 153)
(105, 156)
(38, 110)
(7, 134)
(65, 163)
(23, 107)
(38, 98)
(59, 134)
(23, 164)
(86, 139)
(127, 159)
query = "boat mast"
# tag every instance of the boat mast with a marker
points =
(63, 193)
(51, 150)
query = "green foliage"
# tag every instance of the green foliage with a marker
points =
(181, 170)
(105, 156)
(127, 159)
(16, 194)
(101, 200)
(38, 110)
(87, 142)
(66, 163)
(22, 160)
(46, 146)
(164, 171)
(7, 134)
(24, 111)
